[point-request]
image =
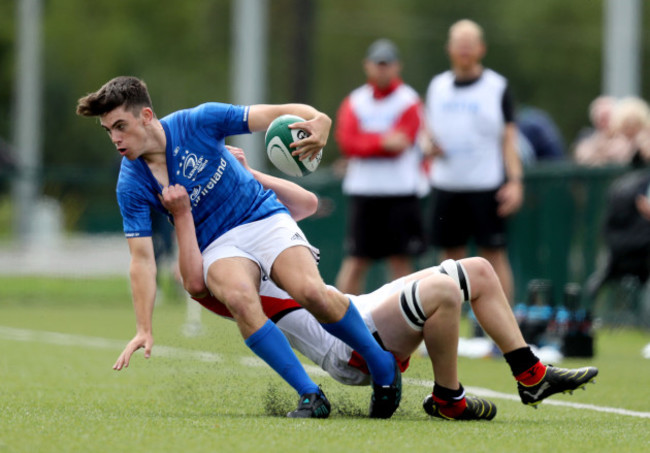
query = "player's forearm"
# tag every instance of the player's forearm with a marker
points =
(307, 112)
(260, 116)
(143, 290)
(300, 202)
(190, 260)
(410, 122)
(514, 168)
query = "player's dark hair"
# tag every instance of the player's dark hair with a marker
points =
(124, 91)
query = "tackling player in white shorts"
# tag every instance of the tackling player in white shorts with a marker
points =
(424, 306)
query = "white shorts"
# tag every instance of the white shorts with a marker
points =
(261, 242)
(366, 302)
(454, 269)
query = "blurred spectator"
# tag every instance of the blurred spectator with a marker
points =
(592, 142)
(626, 229)
(621, 133)
(630, 126)
(599, 111)
(477, 172)
(376, 129)
(542, 133)
(626, 232)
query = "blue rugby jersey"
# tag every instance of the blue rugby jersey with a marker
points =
(222, 192)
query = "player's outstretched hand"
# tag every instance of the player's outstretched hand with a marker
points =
(318, 130)
(139, 341)
(239, 155)
(175, 199)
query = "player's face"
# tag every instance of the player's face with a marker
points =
(466, 49)
(382, 74)
(127, 131)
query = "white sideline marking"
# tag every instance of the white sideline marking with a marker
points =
(62, 339)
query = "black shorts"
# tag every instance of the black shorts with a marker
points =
(379, 227)
(461, 216)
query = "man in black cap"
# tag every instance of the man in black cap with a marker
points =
(376, 130)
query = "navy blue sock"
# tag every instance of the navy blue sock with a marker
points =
(272, 346)
(353, 331)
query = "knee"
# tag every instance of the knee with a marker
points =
(480, 271)
(451, 296)
(241, 300)
(440, 292)
(310, 293)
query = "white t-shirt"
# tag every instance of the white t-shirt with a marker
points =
(467, 122)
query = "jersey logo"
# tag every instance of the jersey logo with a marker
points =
(212, 182)
(470, 107)
(192, 165)
(195, 193)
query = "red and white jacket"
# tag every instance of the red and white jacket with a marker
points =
(363, 118)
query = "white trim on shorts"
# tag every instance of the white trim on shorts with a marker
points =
(260, 241)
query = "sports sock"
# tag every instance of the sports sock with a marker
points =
(353, 331)
(526, 366)
(272, 346)
(532, 375)
(451, 403)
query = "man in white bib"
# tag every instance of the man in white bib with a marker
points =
(477, 174)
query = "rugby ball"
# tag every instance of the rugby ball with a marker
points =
(277, 140)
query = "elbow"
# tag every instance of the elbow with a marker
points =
(308, 207)
(195, 288)
(193, 282)
(311, 205)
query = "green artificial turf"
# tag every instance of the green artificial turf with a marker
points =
(58, 392)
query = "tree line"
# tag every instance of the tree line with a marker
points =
(551, 51)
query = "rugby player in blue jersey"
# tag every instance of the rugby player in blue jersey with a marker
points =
(244, 233)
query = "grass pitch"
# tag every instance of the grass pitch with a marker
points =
(58, 392)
